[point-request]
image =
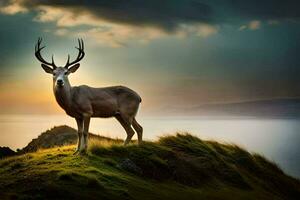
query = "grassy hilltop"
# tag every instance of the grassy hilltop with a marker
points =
(174, 167)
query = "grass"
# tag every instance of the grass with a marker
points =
(174, 167)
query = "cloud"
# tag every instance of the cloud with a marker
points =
(115, 22)
(254, 25)
(273, 22)
(61, 32)
(265, 9)
(12, 7)
(114, 34)
(243, 27)
(165, 14)
(117, 35)
(66, 17)
(111, 33)
(206, 30)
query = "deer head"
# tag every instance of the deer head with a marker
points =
(60, 74)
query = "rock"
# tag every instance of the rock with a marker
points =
(130, 166)
(6, 152)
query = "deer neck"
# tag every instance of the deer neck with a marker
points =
(63, 95)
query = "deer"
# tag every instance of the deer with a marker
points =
(84, 102)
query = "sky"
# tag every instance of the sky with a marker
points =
(174, 53)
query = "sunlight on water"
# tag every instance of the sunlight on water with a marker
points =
(277, 139)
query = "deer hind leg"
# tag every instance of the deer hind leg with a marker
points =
(80, 134)
(139, 130)
(126, 123)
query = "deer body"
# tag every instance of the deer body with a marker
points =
(97, 102)
(84, 102)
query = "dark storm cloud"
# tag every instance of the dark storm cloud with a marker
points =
(167, 14)
(266, 9)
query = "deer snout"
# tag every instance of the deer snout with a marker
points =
(60, 82)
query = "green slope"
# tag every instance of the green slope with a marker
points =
(174, 167)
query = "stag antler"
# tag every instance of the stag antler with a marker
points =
(38, 49)
(80, 54)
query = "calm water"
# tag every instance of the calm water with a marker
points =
(277, 139)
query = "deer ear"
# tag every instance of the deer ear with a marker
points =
(47, 69)
(73, 68)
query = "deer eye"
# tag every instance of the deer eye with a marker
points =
(66, 72)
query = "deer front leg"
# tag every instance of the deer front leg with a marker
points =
(86, 125)
(80, 134)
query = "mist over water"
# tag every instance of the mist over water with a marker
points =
(277, 139)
